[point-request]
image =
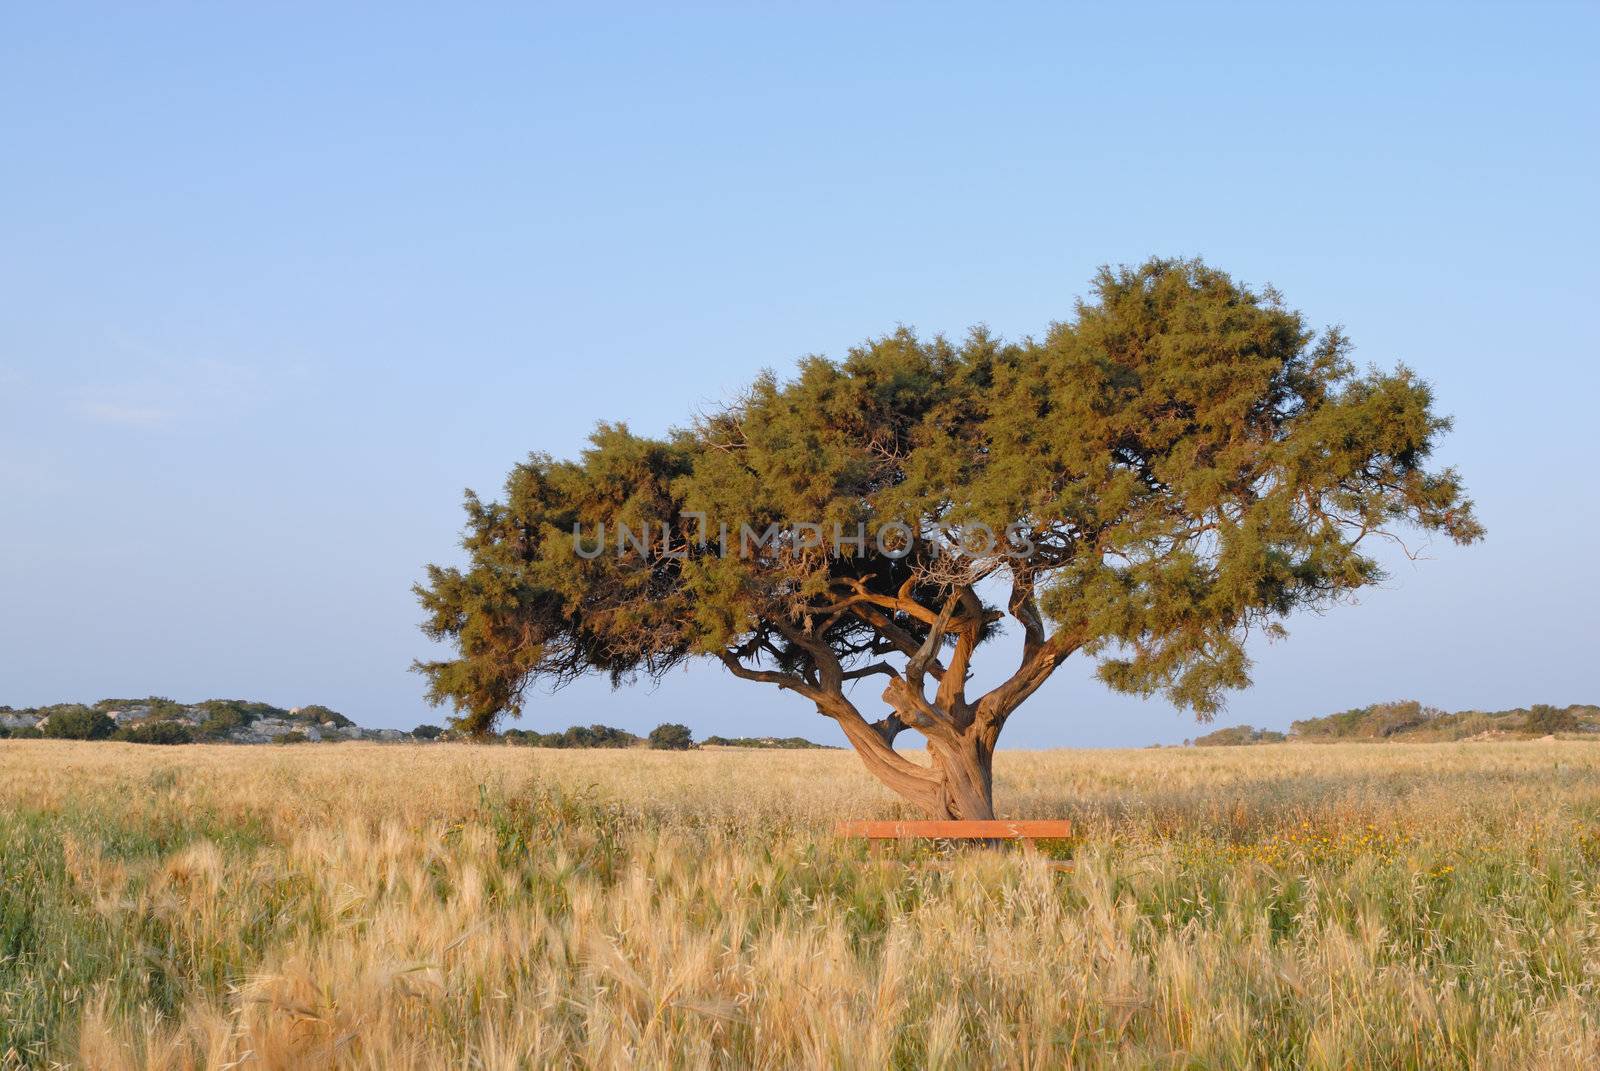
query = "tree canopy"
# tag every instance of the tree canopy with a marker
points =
(1180, 463)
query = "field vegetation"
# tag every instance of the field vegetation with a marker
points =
(409, 906)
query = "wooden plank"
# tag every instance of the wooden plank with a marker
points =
(997, 829)
(1060, 866)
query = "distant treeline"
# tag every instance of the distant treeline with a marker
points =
(1410, 721)
(159, 720)
(775, 743)
(669, 737)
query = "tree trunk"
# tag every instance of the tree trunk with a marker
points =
(966, 777)
(959, 783)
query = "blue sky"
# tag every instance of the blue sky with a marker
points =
(279, 285)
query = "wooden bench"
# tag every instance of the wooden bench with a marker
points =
(1024, 830)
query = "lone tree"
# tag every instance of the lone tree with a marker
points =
(1182, 462)
(670, 736)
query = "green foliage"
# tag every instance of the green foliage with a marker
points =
(601, 736)
(1370, 722)
(1186, 457)
(20, 732)
(776, 743)
(156, 732)
(1411, 721)
(244, 710)
(219, 723)
(156, 706)
(55, 945)
(427, 732)
(1545, 719)
(597, 736)
(670, 736)
(73, 721)
(294, 736)
(320, 714)
(221, 716)
(1239, 735)
(53, 709)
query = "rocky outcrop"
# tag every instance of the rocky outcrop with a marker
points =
(224, 721)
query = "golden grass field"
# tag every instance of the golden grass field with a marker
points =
(402, 906)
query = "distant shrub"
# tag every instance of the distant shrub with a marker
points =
(1230, 737)
(1239, 735)
(220, 723)
(318, 713)
(598, 736)
(671, 737)
(1329, 726)
(427, 732)
(1409, 720)
(156, 732)
(76, 722)
(1376, 722)
(21, 732)
(578, 736)
(293, 736)
(1387, 719)
(784, 743)
(1545, 720)
(240, 711)
(155, 706)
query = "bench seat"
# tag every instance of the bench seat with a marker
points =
(1023, 829)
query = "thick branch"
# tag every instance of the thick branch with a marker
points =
(915, 710)
(917, 667)
(1024, 607)
(830, 672)
(901, 601)
(872, 741)
(866, 671)
(770, 676)
(952, 693)
(899, 638)
(889, 727)
(1037, 666)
